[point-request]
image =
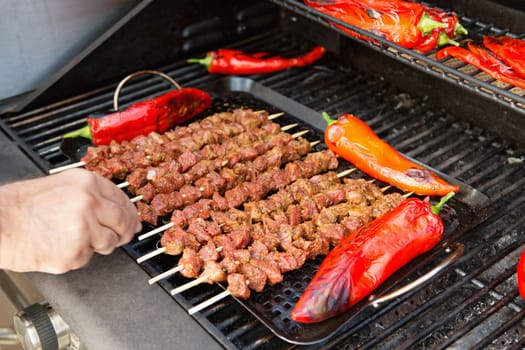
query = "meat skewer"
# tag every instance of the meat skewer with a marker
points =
(168, 181)
(327, 177)
(295, 246)
(334, 242)
(239, 183)
(232, 145)
(116, 160)
(314, 163)
(84, 163)
(169, 225)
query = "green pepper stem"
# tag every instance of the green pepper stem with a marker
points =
(444, 39)
(85, 132)
(206, 61)
(329, 120)
(460, 30)
(437, 208)
(427, 24)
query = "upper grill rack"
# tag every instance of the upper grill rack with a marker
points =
(449, 69)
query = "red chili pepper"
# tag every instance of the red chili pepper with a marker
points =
(366, 258)
(226, 61)
(355, 141)
(521, 275)
(509, 50)
(484, 60)
(407, 24)
(158, 114)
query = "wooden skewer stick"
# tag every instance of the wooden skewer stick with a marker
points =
(136, 199)
(165, 274)
(191, 284)
(209, 302)
(123, 184)
(275, 116)
(151, 254)
(300, 133)
(288, 127)
(155, 231)
(67, 167)
(346, 172)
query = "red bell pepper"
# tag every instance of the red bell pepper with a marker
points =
(158, 114)
(367, 257)
(355, 141)
(485, 61)
(408, 24)
(226, 61)
(521, 275)
(509, 50)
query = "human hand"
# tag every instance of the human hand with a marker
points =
(56, 223)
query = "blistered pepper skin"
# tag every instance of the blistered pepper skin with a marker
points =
(366, 258)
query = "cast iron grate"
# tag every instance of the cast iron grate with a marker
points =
(475, 303)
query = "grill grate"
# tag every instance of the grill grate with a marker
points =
(475, 303)
(449, 69)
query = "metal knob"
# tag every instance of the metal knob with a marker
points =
(39, 327)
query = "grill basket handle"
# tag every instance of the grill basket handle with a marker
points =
(458, 250)
(137, 74)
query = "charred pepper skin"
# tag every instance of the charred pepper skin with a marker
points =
(353, 140)
(158, 114)
(237, 62)
(408, 24)
(367, 257)
(509, 50)
(484, 60)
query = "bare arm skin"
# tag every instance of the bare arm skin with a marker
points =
(56, 223)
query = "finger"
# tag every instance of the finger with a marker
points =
(104, 241)
(115, 218)
(112, 193)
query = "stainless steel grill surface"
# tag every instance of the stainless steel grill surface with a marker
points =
(474, 304)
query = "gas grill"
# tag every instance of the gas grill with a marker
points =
(445, 114)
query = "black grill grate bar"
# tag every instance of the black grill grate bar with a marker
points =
(422, 62)
(505, 301)
(498, 183)
(490, 338)
(428, 310)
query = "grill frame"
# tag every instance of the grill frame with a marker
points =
(476, 156)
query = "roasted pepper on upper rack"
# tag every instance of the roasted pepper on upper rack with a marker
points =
(227, 61)
(509, 50)
(408, 24)
(367, 257)
(484, 60)
(353, 140)
(158, 114)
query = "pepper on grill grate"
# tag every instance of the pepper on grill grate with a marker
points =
(368, 256)
(408, 24)
(158, 114)
(510, 50)
(521, 275)
(355, 141)
(486, 61)
(226, 61)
